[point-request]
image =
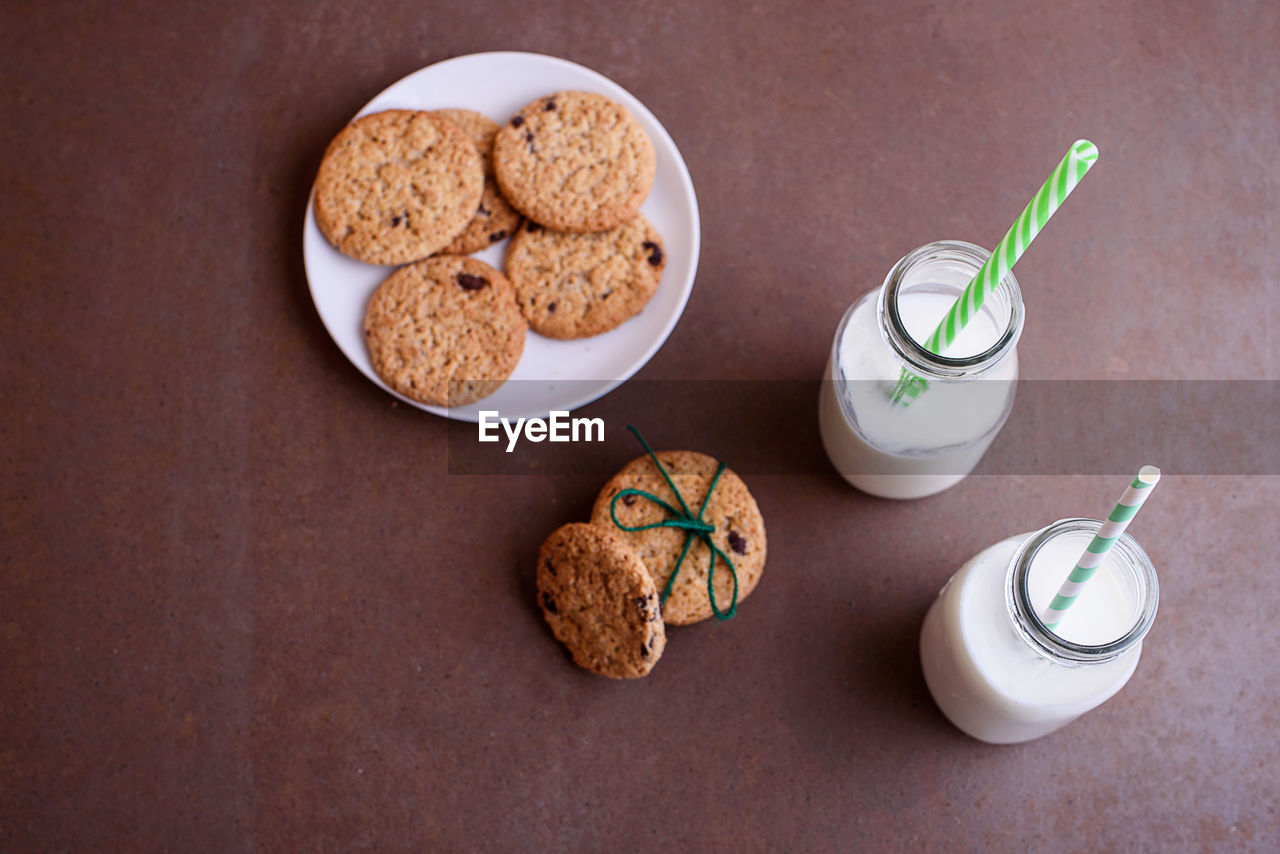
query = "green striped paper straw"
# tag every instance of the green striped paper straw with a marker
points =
(1082, 155)
(1101, 543)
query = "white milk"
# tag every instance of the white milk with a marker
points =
(1102, 612)
(896, 451)
(993, 679)
(927, 442)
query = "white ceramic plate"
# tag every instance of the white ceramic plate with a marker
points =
(551, 374)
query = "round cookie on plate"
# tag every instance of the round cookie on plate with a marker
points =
(574, 161)
(397, 186)
(444, 331)
(600, 601)
(579, 285)
(739, 530)
(495, 219)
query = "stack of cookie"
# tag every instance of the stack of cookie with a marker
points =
(600, 583)
(578, 166)
(427, 188)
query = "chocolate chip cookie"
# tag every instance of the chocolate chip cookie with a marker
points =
(574, 161)
(397, 186)
(739, 530)
(600, 601)
(445, 331)
(495, 219)
(578, 285)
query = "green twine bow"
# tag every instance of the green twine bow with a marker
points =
(693, 526)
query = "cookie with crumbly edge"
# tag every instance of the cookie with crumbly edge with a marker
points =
(739, 530)
(600, 601)
(444, 331)
(574, 161)
(396, 186)
(495, 219)
(579, 285)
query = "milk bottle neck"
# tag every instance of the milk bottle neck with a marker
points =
(1134, 579)
(946, 267)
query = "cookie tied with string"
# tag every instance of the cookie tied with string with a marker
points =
(729, 519)
(600, 601)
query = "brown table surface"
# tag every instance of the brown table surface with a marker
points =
(245, 603)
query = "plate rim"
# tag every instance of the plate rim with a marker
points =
(683, 179)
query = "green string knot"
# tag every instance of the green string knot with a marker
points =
(693, 526)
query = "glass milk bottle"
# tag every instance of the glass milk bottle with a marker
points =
(897, 420)
(994, 668)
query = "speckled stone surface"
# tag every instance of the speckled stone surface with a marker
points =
(249, 603)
